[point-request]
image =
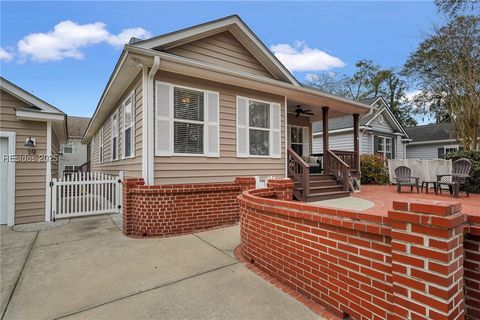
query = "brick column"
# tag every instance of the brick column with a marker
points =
(283, 188)
(127, 205)
(246, 183)
(427, 260)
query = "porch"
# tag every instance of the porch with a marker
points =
(329, 174)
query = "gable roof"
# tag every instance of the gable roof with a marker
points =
(77, 126)
(27, 97)
(366, 120)
(433, 132)
(235, 25)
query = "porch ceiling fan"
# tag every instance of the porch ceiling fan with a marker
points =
(299, 111)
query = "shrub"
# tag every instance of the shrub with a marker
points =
(373, 170)
(473, 184)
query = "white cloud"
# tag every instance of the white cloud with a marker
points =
(68, 38)
(300, 57)
(5, 55)
(124, 36)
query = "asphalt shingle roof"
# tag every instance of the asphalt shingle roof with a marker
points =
(432, 132)
(77, 126)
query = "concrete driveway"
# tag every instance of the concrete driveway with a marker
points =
(88, 270)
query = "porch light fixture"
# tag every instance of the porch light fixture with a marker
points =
(30, 145)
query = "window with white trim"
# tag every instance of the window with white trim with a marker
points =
(450, 149)
(69, 168)
(384, 148)
(100, 146)
(188, 121)
(67, 149)
(114, 135)
(128, 127)
(259, 128)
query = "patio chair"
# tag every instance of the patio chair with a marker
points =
(404, 178)
(460, 173)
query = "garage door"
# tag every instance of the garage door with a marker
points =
(3, 181)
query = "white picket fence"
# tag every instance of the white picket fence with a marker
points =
(85, 194)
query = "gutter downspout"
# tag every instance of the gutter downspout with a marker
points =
(148, 123)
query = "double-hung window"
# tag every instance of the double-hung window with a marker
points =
(114, 135)
(128, 127)
(100, 146)
(188, 121)
(258, 128)
(384, 147)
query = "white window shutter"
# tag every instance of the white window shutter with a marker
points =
(275, 145)
(163, 119)
(306, 141)
(242, 127)
(212, 141)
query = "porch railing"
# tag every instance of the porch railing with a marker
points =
(338, 168)
(299, 170)
(349, 157)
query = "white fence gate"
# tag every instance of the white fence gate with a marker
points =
(85, 194)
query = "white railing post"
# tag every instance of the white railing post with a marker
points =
(54, 199)
(119, 190)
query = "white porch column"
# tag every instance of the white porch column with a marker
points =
(48, 174)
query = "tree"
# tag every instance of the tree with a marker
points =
(369, 80)
(446, 67)
(453, 7)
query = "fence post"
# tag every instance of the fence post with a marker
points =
(53, 213)
(119, 196)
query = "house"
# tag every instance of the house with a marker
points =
(31, 132)
(432, 141)
(73, 154)
(380, 132)
(205, 105)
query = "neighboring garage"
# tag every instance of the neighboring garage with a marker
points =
(31, 132)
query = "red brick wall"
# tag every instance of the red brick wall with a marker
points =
(165, 210)
(408, 265)
(472, 269)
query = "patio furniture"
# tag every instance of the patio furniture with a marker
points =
(427, 184)
(460, 172)
(314, 163)
(404, 178)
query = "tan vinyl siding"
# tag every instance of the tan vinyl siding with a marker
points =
(131, 166)
(29, 176)
(222, 49)
(185, 169)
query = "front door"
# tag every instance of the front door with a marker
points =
(299, 140)
(4, 185)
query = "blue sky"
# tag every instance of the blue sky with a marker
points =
(73, 78)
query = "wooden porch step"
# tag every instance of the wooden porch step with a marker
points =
(323, 189)
(321, 177)
(321, 183)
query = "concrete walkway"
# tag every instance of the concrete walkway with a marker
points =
(88, 270)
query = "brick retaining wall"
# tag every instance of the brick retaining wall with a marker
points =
(165, 210)
(407, 265)
(472, 268)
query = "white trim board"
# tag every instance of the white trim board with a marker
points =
(11, 136)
